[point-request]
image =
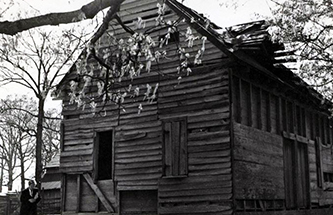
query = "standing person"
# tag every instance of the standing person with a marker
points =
(29, 199)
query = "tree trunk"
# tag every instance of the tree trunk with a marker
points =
(1, 175)
(10, 177)
(39, 141)
(22, 170)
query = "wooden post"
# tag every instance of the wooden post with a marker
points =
(42, 199)
(9, 205)
(319, 162)
(63, 192)
(78, 194)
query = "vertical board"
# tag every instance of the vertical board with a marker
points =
(71, 193)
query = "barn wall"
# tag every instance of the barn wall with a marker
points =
(201, 97)
(258, 164)
(266, 115)
(208, 187)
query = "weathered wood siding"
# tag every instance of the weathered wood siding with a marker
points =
(258, 164)
(265, 114)
(202, 98)
(208, 188)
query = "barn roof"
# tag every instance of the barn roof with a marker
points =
(249, 44)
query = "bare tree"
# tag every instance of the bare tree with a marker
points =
(18, 133)
(16, 142)
(35, 60)
(51, 135)
(306, 27)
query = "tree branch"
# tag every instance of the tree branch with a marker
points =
(88, 11)
(112, 12)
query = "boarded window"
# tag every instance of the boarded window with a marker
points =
(103, 155)
(296, 174)
(175, 147)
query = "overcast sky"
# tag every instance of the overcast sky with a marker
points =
(222, 13)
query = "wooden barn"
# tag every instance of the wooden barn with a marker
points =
(241, 134)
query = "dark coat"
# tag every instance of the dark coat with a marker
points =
(28, 208)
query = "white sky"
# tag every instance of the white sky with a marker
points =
(222, 15)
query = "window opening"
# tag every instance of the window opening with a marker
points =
(103, 155)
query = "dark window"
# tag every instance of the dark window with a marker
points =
(328, 177)
(290, 117)
(312, 126)
(175, 147)
(296, 174)
(303, 122)
(256, 107)
(103, 155)
(299, 121)
(283, 104)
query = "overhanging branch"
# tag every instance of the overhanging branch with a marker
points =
(87, 11)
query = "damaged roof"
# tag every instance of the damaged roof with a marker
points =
(249, 44)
